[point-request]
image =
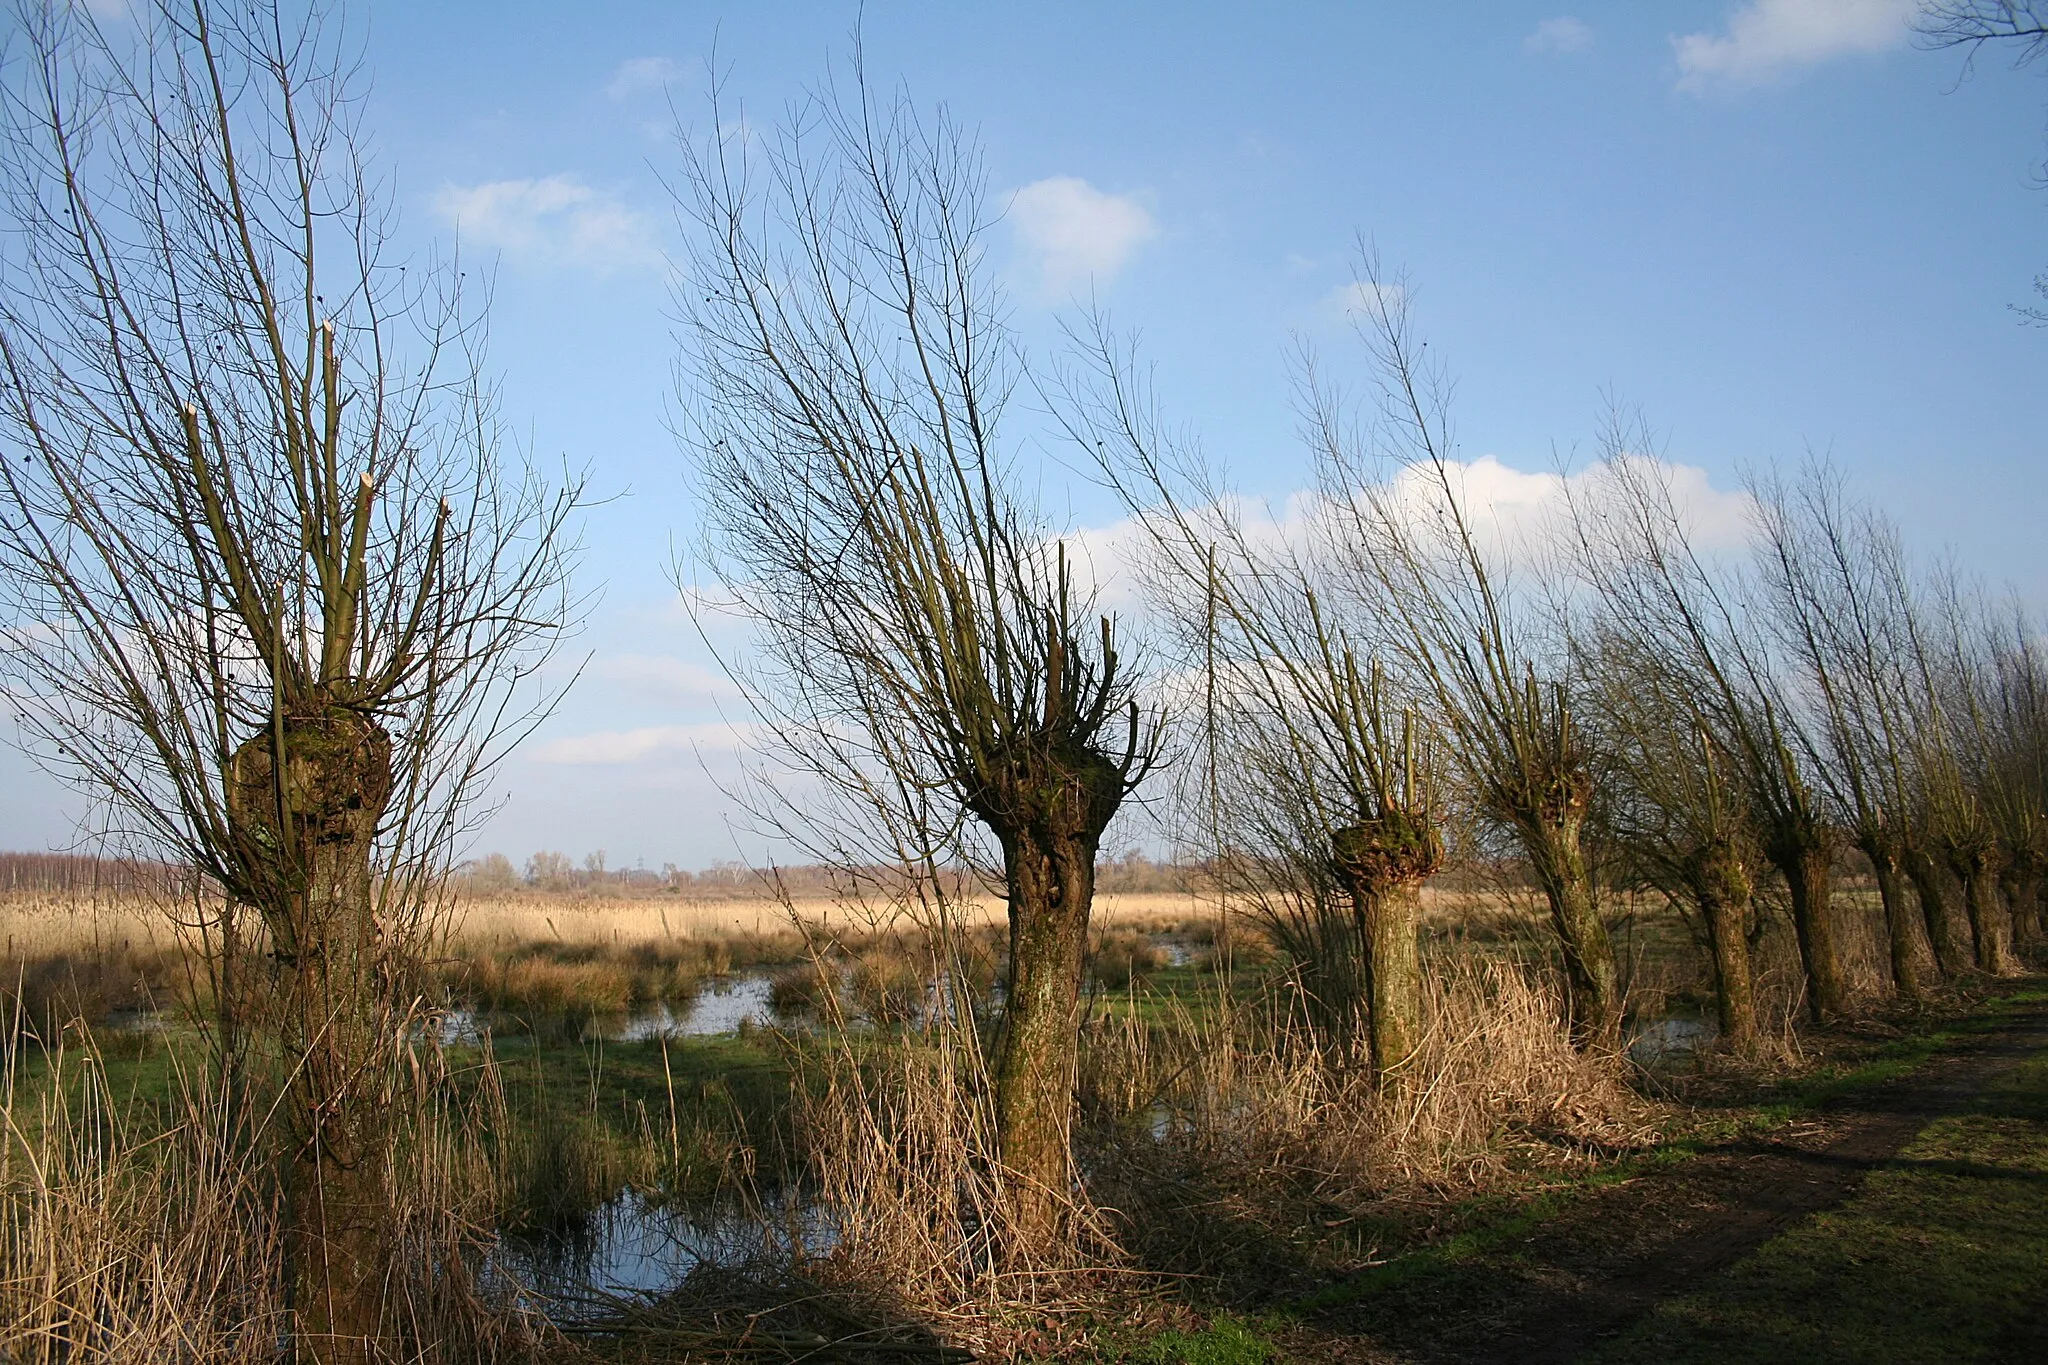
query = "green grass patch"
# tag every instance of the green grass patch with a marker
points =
(1225, 1341)
(1943, 1256)
(1487, 1223)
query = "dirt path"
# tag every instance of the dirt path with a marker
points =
(1594, 1270)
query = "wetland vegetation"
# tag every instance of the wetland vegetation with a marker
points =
(1537, 908)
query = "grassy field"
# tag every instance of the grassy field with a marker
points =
(1942, 1257)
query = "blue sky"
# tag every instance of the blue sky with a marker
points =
(1775, 225)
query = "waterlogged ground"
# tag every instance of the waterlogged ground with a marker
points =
(1925, 1243)
(634, 1247)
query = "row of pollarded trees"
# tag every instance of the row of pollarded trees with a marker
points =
(1378, 674)
(271, 584)
(1764, 708)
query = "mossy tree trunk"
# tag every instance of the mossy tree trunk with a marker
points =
(1553, 836)
(1722, 888)
(1904, 935)
(1382, 865)
(1936, 912)
(313, 828)
(1805, 858)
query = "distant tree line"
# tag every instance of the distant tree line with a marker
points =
(1132, 872)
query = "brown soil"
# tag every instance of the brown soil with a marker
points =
(1593, 1270)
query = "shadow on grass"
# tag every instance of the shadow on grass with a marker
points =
(1942, 1256)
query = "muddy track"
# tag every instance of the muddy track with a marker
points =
(1595, 1269)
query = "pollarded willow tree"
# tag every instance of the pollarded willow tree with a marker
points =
(1837, 591)
(1406, 544)
(1316, 778)
(1667, 805)
(920, 650)
(273, 593)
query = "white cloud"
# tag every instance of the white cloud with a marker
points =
(616, 747)
(664, 678)
(1562, 34)
(1771, 39)
(1517, 519)
(1517, 514)
(558, 220)
(1361, 300)
(1073, 234)
(640, 76)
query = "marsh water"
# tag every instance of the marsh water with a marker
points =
(634, 1247)
(1674, 1040)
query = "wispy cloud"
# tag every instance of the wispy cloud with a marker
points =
(641, 76)
(1072, 234)
(554, 221)
(1361, 300)
(618, 747)
(1562, 34)
(663, 678)
(1768, 40)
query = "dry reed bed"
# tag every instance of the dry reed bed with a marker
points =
(136, 1236)
(537, 957)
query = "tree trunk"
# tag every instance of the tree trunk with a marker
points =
(1902, 929)
(1383, 864)
(1393, 975)
(316, 891)
(1051, 887)
(1558, 858)
(1937, 913)
(1989, 923)
(1722, 887)
(1808, 869)
(2020, 883)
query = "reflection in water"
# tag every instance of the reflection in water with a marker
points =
(719, 1008)
(1672, 1039)
(633, 1247)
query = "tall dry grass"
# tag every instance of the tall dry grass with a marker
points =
(66, 955)
(134, 1234)
(1259, 1084)
(1243, 1142)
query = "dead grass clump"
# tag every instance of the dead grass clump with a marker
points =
(899, 1147)
(888, 985)
(808, 990)
(1224, 1135)
(538, 988)
(1121, 957)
